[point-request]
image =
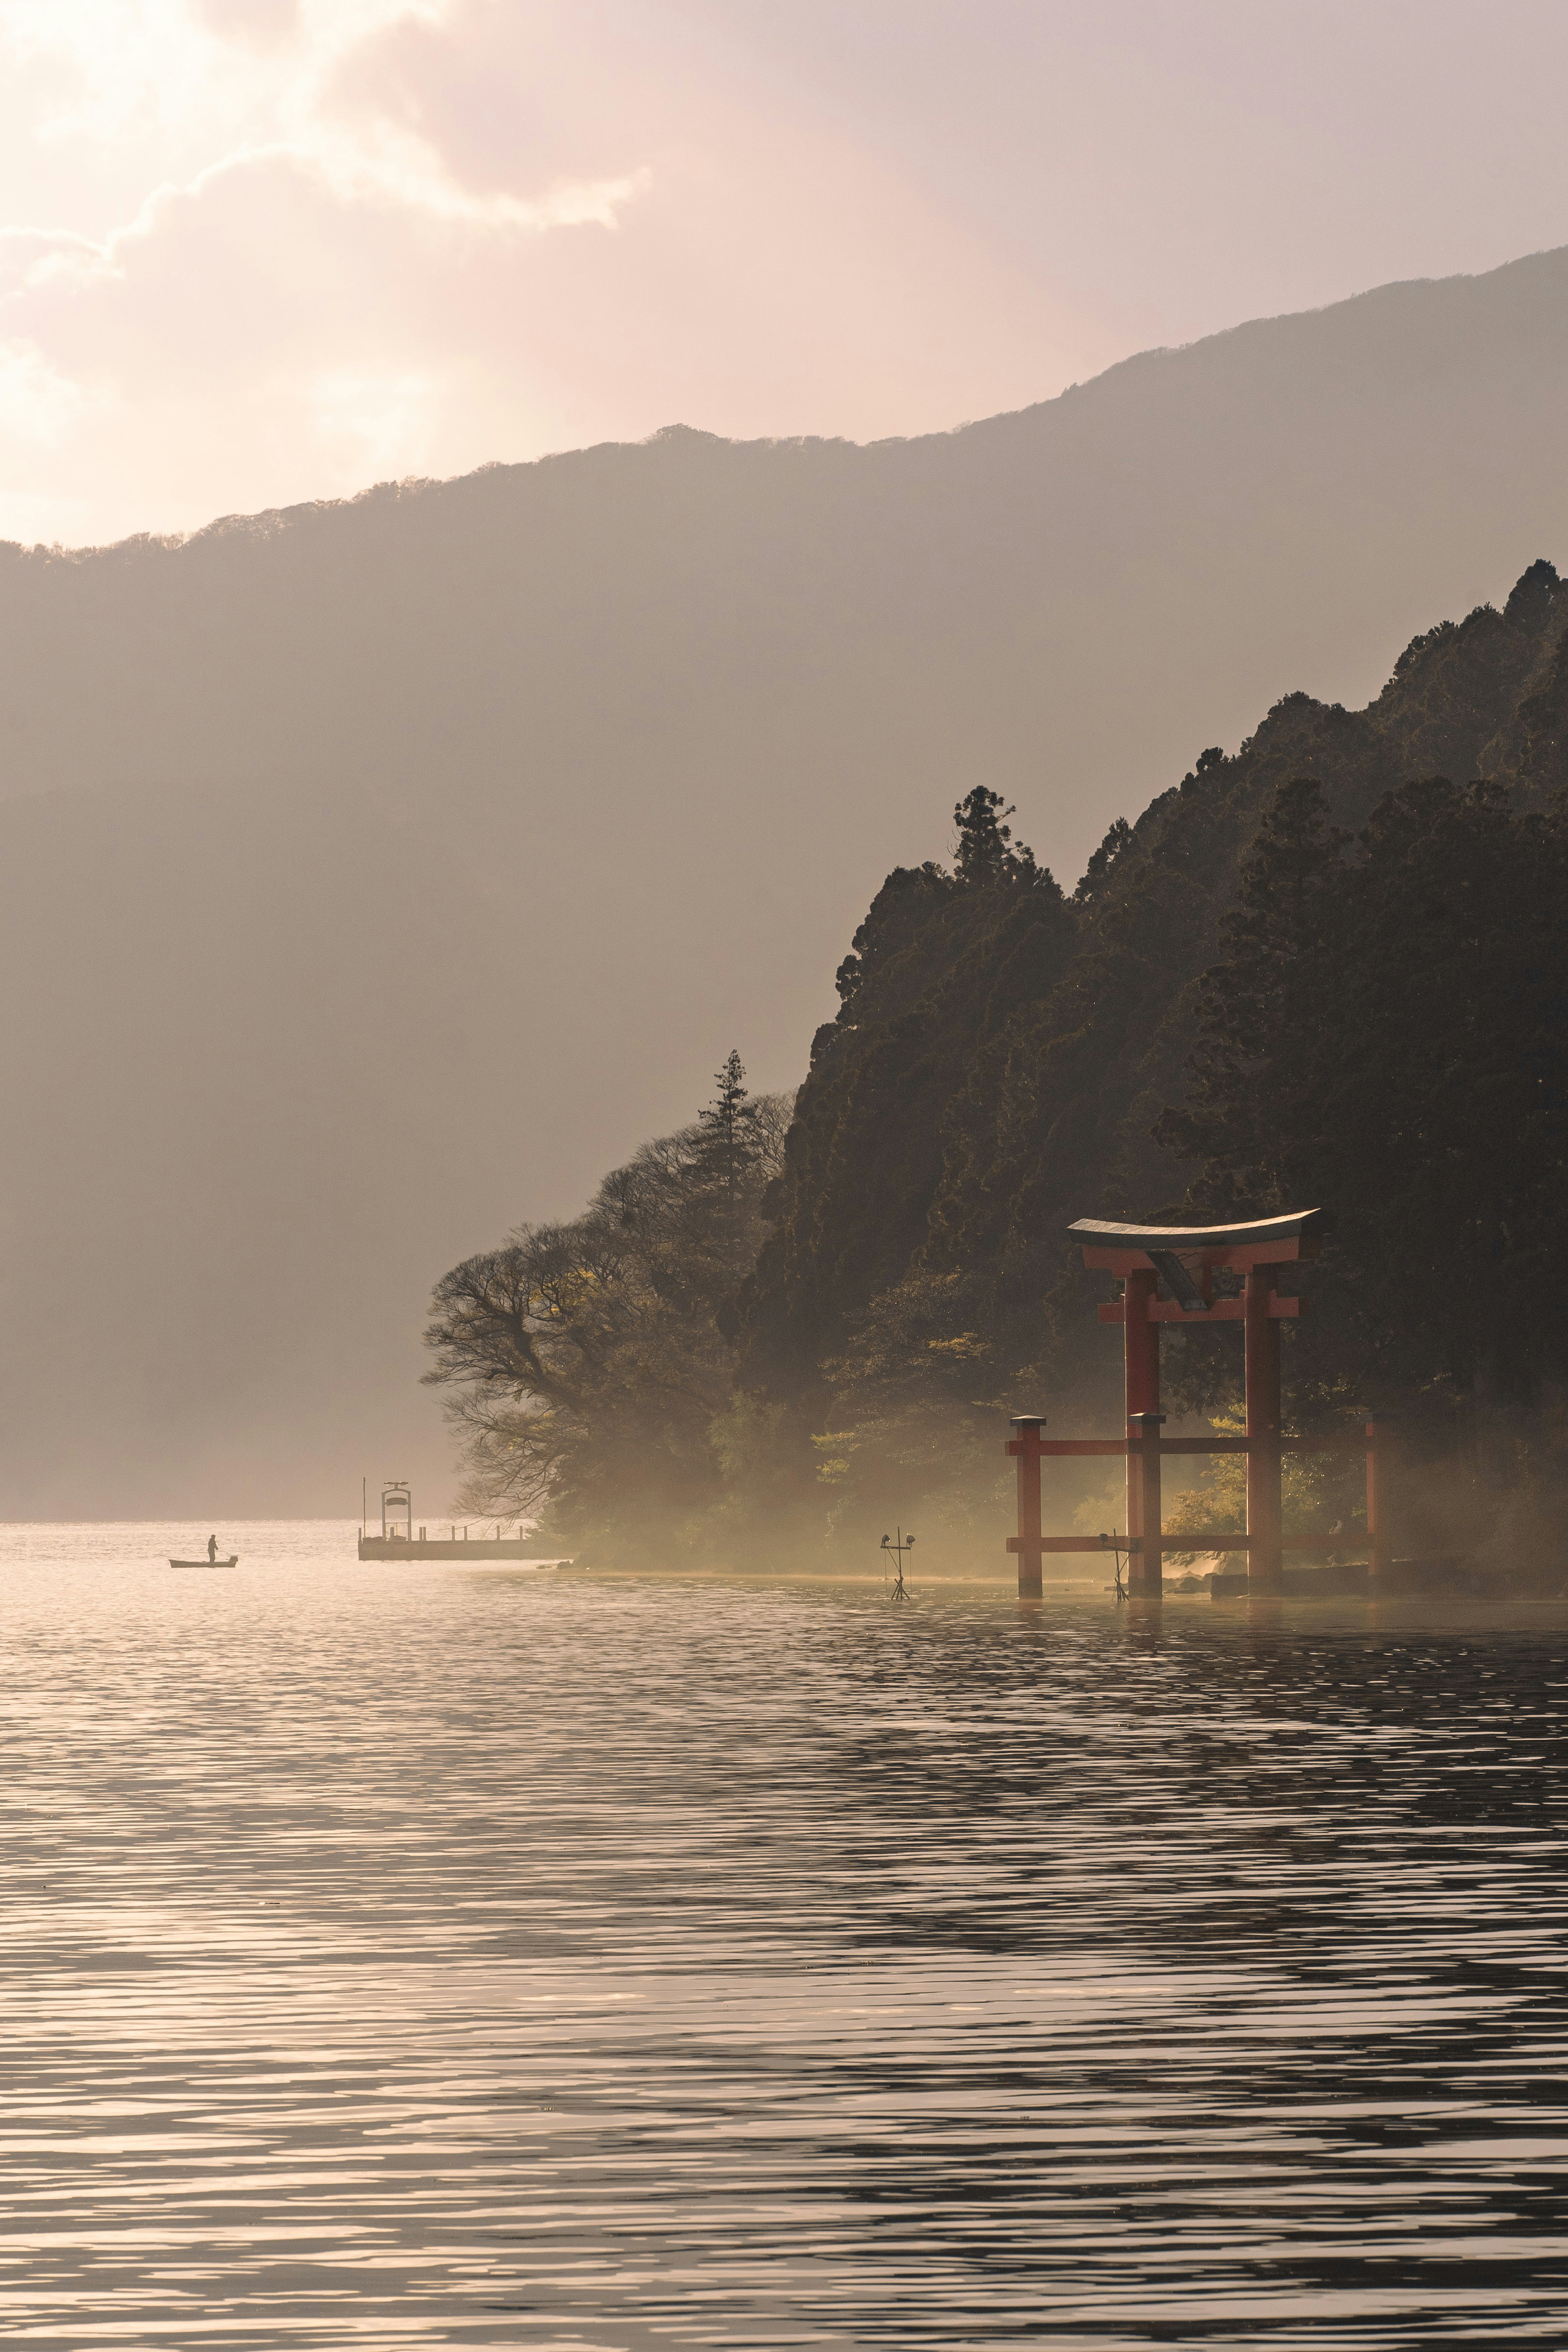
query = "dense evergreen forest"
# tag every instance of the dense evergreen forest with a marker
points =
(1330, 971)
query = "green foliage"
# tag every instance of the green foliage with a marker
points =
(1383, 1039)
(983, 852)
(936, 970)
(588, 1372)
(730, 1137)
(914, 1409)
(1322, 1496)
(1104, 860)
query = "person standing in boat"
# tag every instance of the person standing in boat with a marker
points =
(211, 1549)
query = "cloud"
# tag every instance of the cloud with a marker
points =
(268, 310)
(38, 405)
(124, 60)
(397, 171)
(377, 424)
(259, 23)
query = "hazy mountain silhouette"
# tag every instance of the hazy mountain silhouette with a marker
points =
(379, 873)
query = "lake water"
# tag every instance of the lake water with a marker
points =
(425, 1956)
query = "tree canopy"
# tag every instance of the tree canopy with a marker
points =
(584, 1362)
(1383, 1038)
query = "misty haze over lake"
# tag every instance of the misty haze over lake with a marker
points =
(378, 874)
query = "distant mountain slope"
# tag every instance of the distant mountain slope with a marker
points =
(380, 873)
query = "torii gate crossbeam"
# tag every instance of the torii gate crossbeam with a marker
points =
(1186, 1259)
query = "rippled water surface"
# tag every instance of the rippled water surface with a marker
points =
(426, 1956)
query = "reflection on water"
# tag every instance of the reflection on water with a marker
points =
(414, 1955)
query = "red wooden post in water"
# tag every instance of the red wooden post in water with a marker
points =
(1025, 1446)
(1146, 1570)
(1265, 1514)
(1141, 1367)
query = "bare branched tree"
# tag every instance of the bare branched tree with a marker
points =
(584, 1360)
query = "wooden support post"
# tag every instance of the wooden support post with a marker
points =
(1265, 1515)
(1146, 1570)
(1379, 1546)
(1025, 1447)
(1141, 1358)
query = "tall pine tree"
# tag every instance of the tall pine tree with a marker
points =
(983, 850)
(728, 1135)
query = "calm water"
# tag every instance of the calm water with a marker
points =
(420, 1956)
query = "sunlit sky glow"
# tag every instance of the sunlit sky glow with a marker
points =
(253, 251)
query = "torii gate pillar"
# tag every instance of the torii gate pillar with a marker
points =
(1265, 1508)
(1141, 1351)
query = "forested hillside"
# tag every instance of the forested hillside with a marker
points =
(1034, 1087)
(1330, 971)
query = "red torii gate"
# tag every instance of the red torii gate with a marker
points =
(1186, 1259)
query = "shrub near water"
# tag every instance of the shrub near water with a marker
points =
(590, 1381)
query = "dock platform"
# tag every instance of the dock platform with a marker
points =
(479, 1552)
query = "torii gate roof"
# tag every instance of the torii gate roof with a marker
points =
(1129, 1249)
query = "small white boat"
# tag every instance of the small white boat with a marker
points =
(232, 1561)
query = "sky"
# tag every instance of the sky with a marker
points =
(258, 251)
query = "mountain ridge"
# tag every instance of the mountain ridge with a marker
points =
(1267, 330)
